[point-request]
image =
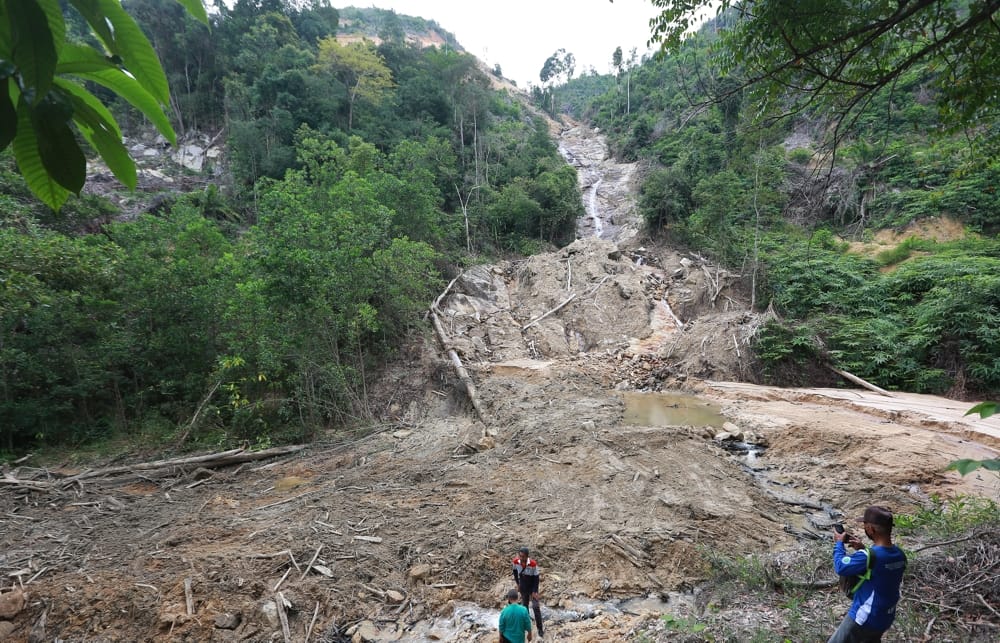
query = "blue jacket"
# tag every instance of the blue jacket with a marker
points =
(874, 605)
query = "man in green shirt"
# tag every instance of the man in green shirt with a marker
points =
(514, 620)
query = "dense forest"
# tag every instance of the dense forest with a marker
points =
(253, 308)
(360, 176)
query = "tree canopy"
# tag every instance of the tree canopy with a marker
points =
(838, 55)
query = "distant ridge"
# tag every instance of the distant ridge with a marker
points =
(373, 23)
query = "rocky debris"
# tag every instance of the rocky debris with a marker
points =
(364, 632)
(11, 604)
(419, 573)
(228, 620)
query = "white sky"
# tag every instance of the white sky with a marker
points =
(520, 35)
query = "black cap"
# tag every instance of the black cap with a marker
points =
(523, 550)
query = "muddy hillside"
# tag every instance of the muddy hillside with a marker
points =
(595, 404)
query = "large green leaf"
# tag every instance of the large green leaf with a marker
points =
(984, 409)
(5, 39)
(32, 47)
(57, 24)
(91, 12)
(135, 50)
(966, 466)
(74, 59)
(196, 8)
(60, 153)
(30, 163)
(127, 87)
(8, 115)
(98, 126)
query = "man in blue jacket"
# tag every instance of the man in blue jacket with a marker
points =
(874, 606)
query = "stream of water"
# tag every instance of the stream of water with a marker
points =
(470, 621)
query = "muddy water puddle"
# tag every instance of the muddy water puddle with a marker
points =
(671, 409)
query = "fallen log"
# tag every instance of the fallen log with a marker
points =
(470, 386)
(544, 315)
(221, 459)
(857, 380)
(34, 485)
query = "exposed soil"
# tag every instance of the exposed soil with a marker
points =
(410, 528)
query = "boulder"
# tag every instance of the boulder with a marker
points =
(227, 621)
(269, 610)
(12, 603)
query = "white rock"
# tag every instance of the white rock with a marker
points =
(269, 610)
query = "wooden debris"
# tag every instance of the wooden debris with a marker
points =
(635, 556)
(287, 571)
(309, 566)
(369, 539)
(282, 603)
(857, 380)
(286, 500)
(35, 485)
(221, 459)
(470, 386)
(284, 552)
(188, 597)
(312, 623)
(544, 315)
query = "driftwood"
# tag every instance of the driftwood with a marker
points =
(857, 380)
(221, 459)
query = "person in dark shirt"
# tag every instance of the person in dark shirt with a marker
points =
(527, 579)
(874, 606)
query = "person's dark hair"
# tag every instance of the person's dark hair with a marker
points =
(512, 595)
(523, 550)
(880, 519)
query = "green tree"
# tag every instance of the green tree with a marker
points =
(360, 67)
(840, 56)
(41, 90)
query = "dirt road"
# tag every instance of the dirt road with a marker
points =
(405, 533)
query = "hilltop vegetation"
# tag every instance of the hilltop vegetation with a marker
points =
(777, 192)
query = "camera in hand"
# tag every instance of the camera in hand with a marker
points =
(839, 528)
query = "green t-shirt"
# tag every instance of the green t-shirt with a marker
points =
(514, 622)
